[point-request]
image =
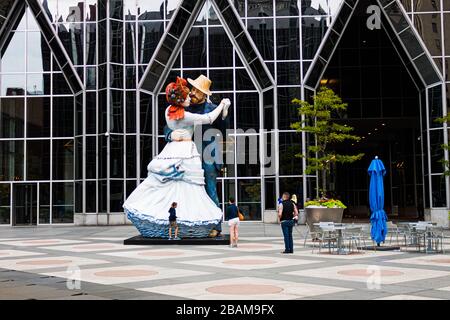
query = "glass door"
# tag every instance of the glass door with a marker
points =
(25, 204)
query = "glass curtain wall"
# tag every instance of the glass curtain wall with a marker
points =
(36, 127)
(95, 145)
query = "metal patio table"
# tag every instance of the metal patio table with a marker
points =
(414, 235)
(339, 228)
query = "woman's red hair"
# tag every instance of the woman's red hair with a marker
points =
(176, 94)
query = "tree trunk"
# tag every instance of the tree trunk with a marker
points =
(324, 183)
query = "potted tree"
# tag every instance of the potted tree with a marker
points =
(318, 121)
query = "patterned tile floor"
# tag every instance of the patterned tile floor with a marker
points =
(92, 263)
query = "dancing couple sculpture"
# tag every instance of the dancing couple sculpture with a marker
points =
(178, 173)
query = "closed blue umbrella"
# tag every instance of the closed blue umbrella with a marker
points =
(376, 199)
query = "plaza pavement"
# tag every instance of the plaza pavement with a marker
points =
(42, 263)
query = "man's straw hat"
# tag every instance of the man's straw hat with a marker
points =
(202, 83)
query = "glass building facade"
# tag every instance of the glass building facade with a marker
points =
(82, 98)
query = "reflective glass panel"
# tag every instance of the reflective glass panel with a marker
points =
(11, 160)
(91, 152)
(287, 111)
(5, 203)
(116, 195)
(60, 85)
(116, 9)
(131, 157)
(249, 198)
(247, 156)
(426, 70)
(116, 34)
(290, 146)
(63, 152)
(38, 84)
(116, 105)
(288, 39)
(293, 186)
(13, 56)
(287, 8)
(63, 116)
(91, 196)
(171, 6)
(70, 11)
(426, 6)
(247, 111)
(438, 191)
(102, 156)
(38, 117)
(288, 73)
(261, 31)
(102, 196)
(91, 10)
(258, 8)
(12, 84)
(436, 151)
(313, 29)
(430, 31)
(194, 49)
(116, 156)
(11, 118)
(447, 31)
(91, 43)
(145, 114)
(146, 154)
(270, 194)
(220, 48)
(150, 34)
(396, 17)
(435, 105)
(63, 203)
(71, 35)
(38, 53)
(44, 203)
(38, 159)
(130, 111)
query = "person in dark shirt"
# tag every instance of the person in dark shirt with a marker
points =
(287, 211)
(233, 222)
(173, 222)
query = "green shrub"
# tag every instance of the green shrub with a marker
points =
(326, 203)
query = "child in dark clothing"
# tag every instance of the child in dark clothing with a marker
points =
(233, 222)
(173, 222)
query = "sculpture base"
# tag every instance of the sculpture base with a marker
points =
(380, 248)
(153, 230)
(140, 240)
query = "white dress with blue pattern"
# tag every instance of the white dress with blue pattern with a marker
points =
(175, 175)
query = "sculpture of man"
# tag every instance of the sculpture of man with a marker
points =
(200, 105)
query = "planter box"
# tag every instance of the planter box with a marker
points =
(315, 215)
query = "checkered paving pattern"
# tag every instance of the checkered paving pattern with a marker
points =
(86, 264)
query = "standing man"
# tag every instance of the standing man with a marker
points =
(199, 104)
(286, 213)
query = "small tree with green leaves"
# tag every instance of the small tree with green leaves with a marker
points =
(318, 120)
(445, 147)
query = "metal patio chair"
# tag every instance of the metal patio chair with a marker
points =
(354, 236)
(327, 235)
